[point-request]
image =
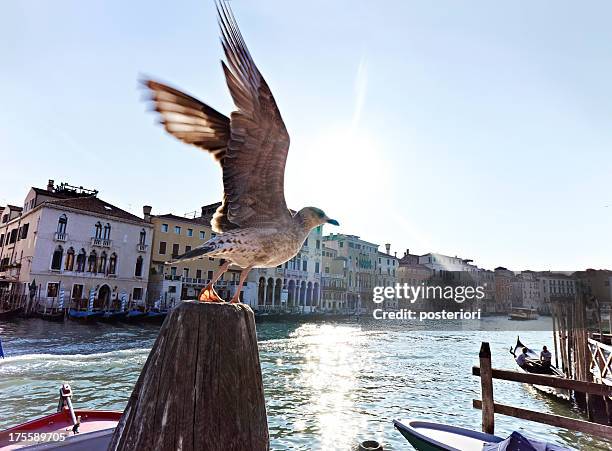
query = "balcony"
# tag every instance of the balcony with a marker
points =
(101, 242)
(142, 247)
(60, 236)
(173, 277)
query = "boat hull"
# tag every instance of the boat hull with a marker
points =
(429, 436)
(84, 315)
(55, 431)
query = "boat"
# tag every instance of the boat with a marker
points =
(112, 315)
(429, 436)
(85, 315)
(68, 428)
(51, 314)
(155, 315)
(534, 366)
(134, 315)
(522, 314)
(11, 313)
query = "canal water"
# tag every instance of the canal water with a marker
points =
(328, 384)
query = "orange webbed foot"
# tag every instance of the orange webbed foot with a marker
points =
(209, 294)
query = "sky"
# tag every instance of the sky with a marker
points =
(475, 129)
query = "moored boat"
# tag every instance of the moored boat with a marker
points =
(522, 314)
(134, 315)
(429, 436)
(51, 314)
(68, 428)
(112, 315)
(534, 366)
(85, 315)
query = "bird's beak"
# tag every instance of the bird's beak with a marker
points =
(333, 222)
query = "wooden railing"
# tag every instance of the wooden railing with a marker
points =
(601, 361)
(489, 407)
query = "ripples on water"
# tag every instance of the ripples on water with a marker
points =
(328, 385)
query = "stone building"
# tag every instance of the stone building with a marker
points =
(67, 240)
(526, 291)
(174, 235)
(361, 259)
(386, 266)
(504, 279)
(334, 282)
(293, 286)
(412, 273)
(555, 286)
(598, 283)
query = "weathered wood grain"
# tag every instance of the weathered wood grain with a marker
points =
(201, 387)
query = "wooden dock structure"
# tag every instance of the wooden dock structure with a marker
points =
(489, 407)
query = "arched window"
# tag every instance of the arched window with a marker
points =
(69, 260)
(91, 262)
(143, 237)
(107, 230)
(98, 230)
(81, 259)
(56, 261)
(138, 271)
(61, 224)
(102, 263)
(112, 264)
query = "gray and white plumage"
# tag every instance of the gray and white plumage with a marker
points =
(256, 229)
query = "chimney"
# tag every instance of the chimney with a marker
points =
(395, 253)
(407, 251)
(388, 247)
(50, 186)
(146, 211)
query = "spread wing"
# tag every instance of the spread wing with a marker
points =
(254, 162)
(251, 147)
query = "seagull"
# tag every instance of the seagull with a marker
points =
(254, 227)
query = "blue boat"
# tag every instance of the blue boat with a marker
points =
(156, 315)
(134, 315)
(113, 315)
(85, 314)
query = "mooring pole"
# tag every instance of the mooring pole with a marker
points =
(486, 387)
(201, 387)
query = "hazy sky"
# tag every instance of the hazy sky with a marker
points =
(467, 128)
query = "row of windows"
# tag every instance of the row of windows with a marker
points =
(100, 232)
(92, 263)
(15, 235)
(178, 230)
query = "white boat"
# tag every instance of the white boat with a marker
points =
(523, 314)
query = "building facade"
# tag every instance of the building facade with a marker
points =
(361, 259)
(68, 242)
(334, 282)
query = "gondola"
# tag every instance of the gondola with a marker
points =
(85, 315)
(429, 436)
(134, 315)
(112, 315)
(57, 315)
(534, 366)
(9, 314)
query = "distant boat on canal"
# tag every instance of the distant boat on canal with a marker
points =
(523, 314)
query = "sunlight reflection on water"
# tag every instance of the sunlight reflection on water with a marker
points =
(328, 385)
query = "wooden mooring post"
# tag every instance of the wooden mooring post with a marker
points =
(489, 407)
(201, 386)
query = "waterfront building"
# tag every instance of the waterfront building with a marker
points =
(293, 286)
(385, 269)
(598, 283)
(334, 282)
(67, 240)
(504, 279)
(361, 257)
(527, 292)
(555, 286)
(174, 235)
(442, 264)
(412, 273)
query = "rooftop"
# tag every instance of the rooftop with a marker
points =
(94, 205)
